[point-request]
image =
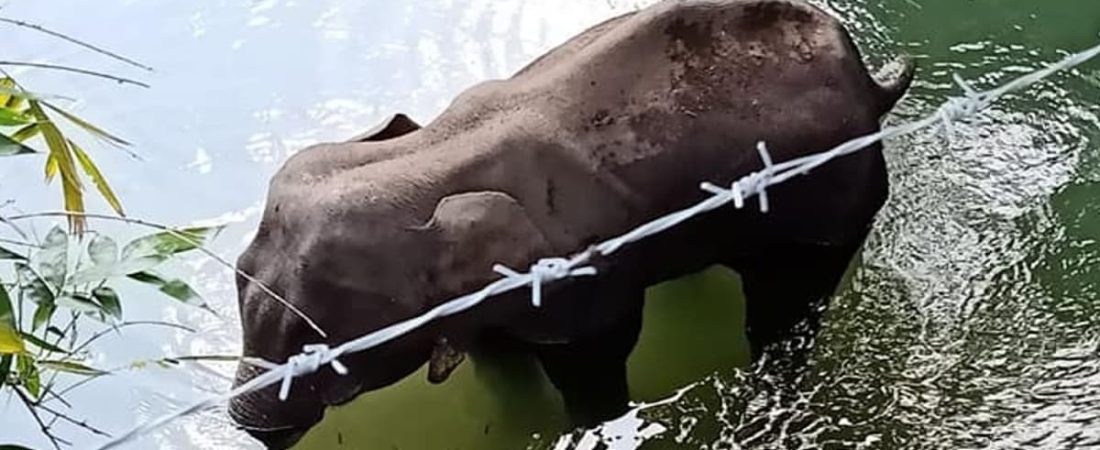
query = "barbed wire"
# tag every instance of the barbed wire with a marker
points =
(549, 270)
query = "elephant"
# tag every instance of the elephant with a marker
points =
(613, 128)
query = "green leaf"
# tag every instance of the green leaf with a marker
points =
(10, 342)
(32, 285)
(94, 130)
(11, 118)
(12, 96)
(52, 167)
(12, 147)
(53, 259)
(98, 273)
(97, 177)
(108, 301)
(179, 290)
(42, 315)
(8, 254)
(7, 314)
(170, 243)
(26, 132)
(59, 150)
(28, 375)
(14, 447)
(9, 332)
(71, 367)
(103, 250)
(79, 303)
(5, 369)
(176, 289)
(41, 343)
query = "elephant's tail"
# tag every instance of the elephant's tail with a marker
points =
(893, 81)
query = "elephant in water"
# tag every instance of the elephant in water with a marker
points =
(613, 128)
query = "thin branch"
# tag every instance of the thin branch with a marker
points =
(263, 287)
(49, 392)
(23, 243)
(27, 402)
(80, 383)
(80, 423)
(108, 76)
(115, 328)
(76, 41)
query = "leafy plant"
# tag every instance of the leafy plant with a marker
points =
(27, 118)
(66, 282)
(64, 279)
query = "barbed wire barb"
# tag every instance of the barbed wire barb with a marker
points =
(954, 109)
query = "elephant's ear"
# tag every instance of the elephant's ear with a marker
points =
(396, 125)
(477, 230)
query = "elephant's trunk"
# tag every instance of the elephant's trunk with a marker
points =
(277, 424)
(893, 81)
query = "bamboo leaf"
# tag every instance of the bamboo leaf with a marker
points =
(51, 167)
(13, 446)
(94, 130)
(176, 289)
(79, 303)
(53, 258)
(9, 85)
(103, 250)
(97, 178)
(108, 301)
(70, 180)
(28, 375)
(12, 96)
(12, 147)
(7, 314)
(8, 254)
(170, 243)
(179, 290)
(5, 370)
(26, 132)
(71, 367)
(98, 273)
(9, 335)
(42, 315)
(34, 289)
(41, 343)
(10, 341)
(10, 117)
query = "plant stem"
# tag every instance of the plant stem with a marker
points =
(30, 404)
(80, 423)
(75, 70)
(76, 41)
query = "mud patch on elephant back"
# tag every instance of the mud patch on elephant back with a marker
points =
(765, 14)
(694, 36)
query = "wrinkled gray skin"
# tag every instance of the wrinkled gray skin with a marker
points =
(612, 129)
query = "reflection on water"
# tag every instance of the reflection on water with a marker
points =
(969, 322)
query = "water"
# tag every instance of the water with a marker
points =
(969, 320)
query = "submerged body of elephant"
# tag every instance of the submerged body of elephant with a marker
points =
(612, 129)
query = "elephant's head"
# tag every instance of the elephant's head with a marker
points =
(273, 332)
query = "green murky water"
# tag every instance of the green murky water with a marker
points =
(970, 320)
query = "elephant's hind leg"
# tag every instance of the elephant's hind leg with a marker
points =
(590, 372)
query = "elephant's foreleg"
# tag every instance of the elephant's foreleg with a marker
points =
(786, 292)
(590, 372)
